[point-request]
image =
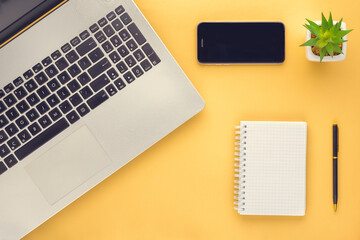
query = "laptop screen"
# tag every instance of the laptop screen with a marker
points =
(15, 15)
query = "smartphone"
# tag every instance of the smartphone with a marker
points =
(240, 42)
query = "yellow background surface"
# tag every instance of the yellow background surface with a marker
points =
(182, 188)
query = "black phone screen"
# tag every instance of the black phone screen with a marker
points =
(241, 42)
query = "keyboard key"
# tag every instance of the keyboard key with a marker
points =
(55, 114)
(111, 90)
(72, 117)
(41, 78)
(75, 41)
(131, 45)
(73, 86)
(114, 57)
(151, 54)
(43, 92)
(24, 136)
(17, 82)
(97, 99)
(154, 59)
(129, 77)
(117, 25)
(84, 63)
(28, 74)
(55, 55)
(65, 107)
(83, 78)
(135, 32)
(10, 161)
(86, 92)
(119, 10)
(119, 84)
(53, 100)
(99, 83)
(86, 46)
(63, 77)
(33, 99)
(10, 100)
(123, 51)
(13, 144)
(3, 121)
(30, 85)
(46, 62)
(22, 106)
(122, 67)
(83, 109)
(37, 68)
(9, 87)
(34, 129)
(12, 114)
(66, 48)
(45, 121)
(93, 28)
(11, 129)
(2, 107)
(61, 64)
(4, 150)
(84, 35)
(72, 56)
(42, 107)
(75, 99)
(139, 55)
(74, 70)
(115, 41)
(3, 168)
(32, 115)
(130, 61)
(107, 47)
(96, 55)
(102, 22)
(20, 93)
(146, 65)
(51, 71)
(124, 34)
(112, 73)
(137, 71)
(3, 136)
(41, 139)
(63, 93)
(125, 18)
(111, 16)
(100, 37)
(2, 93)
(54, 84)
(22, 122)
(99, 68)
(109, 31)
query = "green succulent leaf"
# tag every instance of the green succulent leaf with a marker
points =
(313, 30)
(321, 43)
(337, 27)
(336, 48)
(337, 40)
(313, 24)
(311, 42)
(330, 49)
(342, 33)
(322, 53)
(330, 21)
(324, 23)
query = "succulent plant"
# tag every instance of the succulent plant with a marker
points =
(328, 37)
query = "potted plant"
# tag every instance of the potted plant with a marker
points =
(326, 41)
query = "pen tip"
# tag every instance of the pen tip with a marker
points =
(335, 207)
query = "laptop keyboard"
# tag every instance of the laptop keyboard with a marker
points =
(70, 83)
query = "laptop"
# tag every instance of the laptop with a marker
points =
(86, 86)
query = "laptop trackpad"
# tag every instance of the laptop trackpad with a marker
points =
(68, 164)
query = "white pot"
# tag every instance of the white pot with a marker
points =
(315, 58)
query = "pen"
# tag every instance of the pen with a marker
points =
(335, 165)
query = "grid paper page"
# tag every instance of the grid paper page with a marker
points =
(275, 177)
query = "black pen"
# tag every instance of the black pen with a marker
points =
(335, 164)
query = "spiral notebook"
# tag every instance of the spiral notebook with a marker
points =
(270, 168)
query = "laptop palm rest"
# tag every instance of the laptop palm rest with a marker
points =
(67, 165)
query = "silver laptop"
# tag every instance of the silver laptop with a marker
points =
(83, 91)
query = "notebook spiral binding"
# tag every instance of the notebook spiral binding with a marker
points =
(240, 167)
